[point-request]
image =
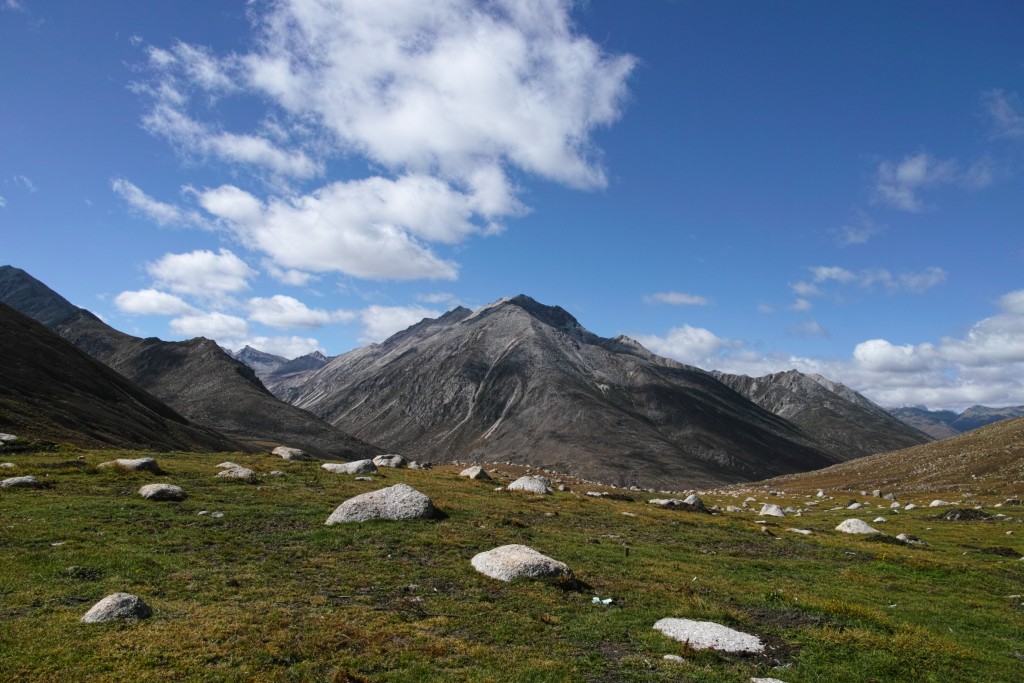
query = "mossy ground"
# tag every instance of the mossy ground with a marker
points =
(267, 592)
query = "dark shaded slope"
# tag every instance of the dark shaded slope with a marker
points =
(51, 391)
(524, 382)
(195, 377)
(841, 420)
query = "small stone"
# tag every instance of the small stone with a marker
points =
(803, 532)
(910, 540)
(4, 438)
(162, 492)
(673, 658)
(879, 520)
(515, 561)
(939, 503)
(227, 465)
(28, 482)
(117, 606)
(275, 473)
(7, 465)
(704, 635)
(217, 515)
(291, 454)
(771, 510)
(854, 506)
(855, 526)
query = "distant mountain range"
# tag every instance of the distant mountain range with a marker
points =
(514, 381)
(942, 424)
(195, 377)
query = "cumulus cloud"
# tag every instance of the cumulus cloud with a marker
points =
(899, 184)
(380, 322)
(284, 311)
(212, 325)
(151, 302)
(868, 279)
(1005, 113)
(857, 232)
(287, 276)
(157, 211)
(691, 345)
(202, 273)
(446, 100)
(287, 347)
(677, 299)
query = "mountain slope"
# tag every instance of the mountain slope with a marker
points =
(520, 381)
(844, 422)
(195, 377)
(51, 391)
(942, 424)
(986, 460)
(261, 362)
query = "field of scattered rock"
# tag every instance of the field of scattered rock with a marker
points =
(285, 570)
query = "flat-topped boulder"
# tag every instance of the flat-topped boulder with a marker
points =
(5, 438)
(288, 453)
(389, 460)
(516, 561)
(132, 465)
(531, 484)
(707, 635)
(27, 482)
(771, 510)
(856, 526)
(475, 472)
(397, 502)
(243, 473)
(356, 467)
(118, 606)
(162, 492)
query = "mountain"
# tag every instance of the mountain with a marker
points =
(195, 377)
(942, 424)
(261, 362)
(844, 422)
(987, 460)
(524, 382)
(51, 391)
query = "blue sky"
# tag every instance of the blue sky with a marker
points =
(744, 186)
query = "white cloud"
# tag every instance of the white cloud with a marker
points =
(825, 273)
(218, 326)
(288, 347)
(691, 345)
(151, 302)
(677, 299)
(801, 305)
(809, 328)
(284, 311)
(804, 289)
(3, 202)
(380, 322)
(870, 278)
(446, 298)
(22, 183)
(1005, 112)
(1012, 303)
(900, 184)
(201, 273)
(287, 276)
(857, 232)
(160, 212)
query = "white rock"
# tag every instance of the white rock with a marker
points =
(766, 680)
(237, 473)
(894, 505)
(879, 520)
(162, 492)
(227, 465)
(909, 506)
(733, 508)
(515, 561)
(910, 540)
(771, 510)
(28, 482)
(673, 658)
(475, 472)
(804, 532)
(133, 464)
(703, 635)
(855, 526)
(356, 467)
(390, 460)
(117, 606)
(939, 504)
(854, 506)
(4, 438)
(531, 484)
(400, 501)
(275, 473)
(7, 465)
(287, 453)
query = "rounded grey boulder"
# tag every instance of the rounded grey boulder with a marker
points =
(243, 473)
(704, 635)
(133, 465)
(514, 561)
(531, 484)
(117, 606)
(475, 472)
(162, 492)
(390, 460)
(28, 482)
(356, 467)
(856, 526)
(397, 502)
(287, 453)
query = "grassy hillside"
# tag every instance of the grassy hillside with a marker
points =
(267, 592)
(989, 459)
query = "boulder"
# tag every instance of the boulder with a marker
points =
(133, 465)
(475, 472)
(531, 484)
(909, 506)
(771, 510)
(389, 460)
(7, 465)
(288, 453)
(117, 606)
(356, 467)
(4, 438)
(910, 539)
(856, 526)
(705, 635)
(162, 492)
(227, 465)
(515, 561)
(243, 473)
(400, 501)
(939, 504)
(28, 482)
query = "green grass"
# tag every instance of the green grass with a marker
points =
(268, 592)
